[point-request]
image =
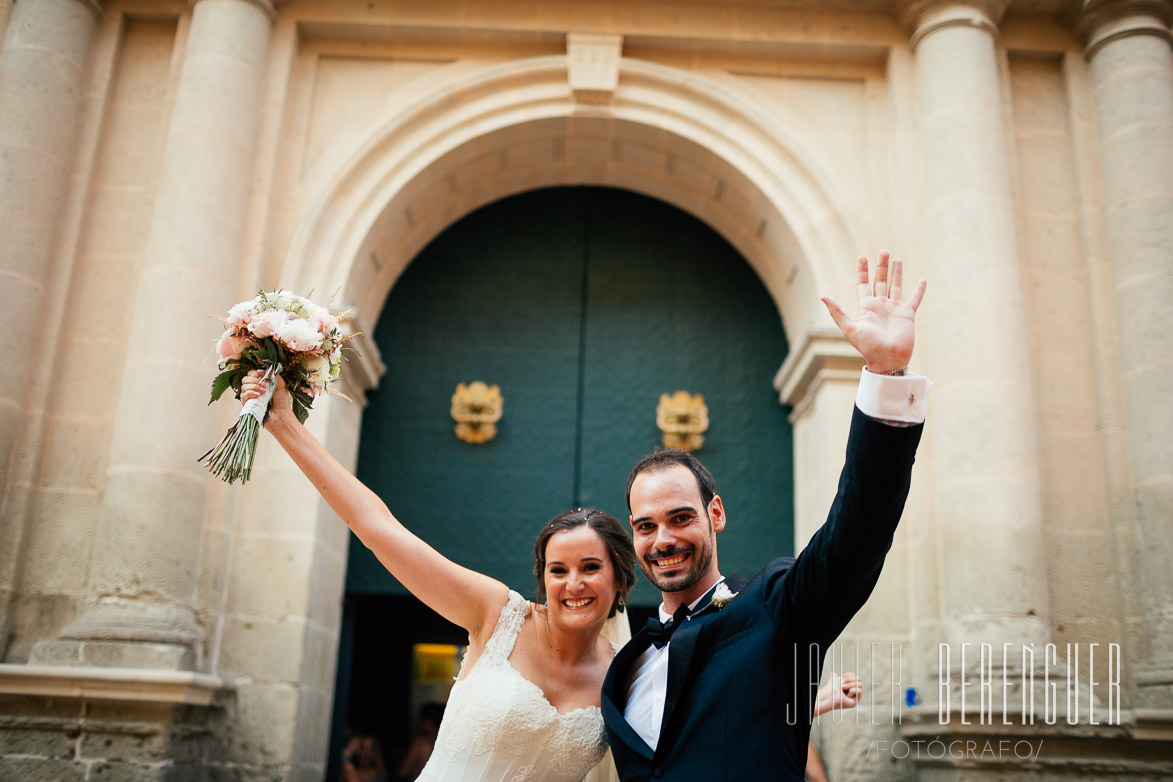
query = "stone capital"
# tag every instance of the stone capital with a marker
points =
(924, 17)
(821, 355)
(94, 7)
(264, 5)
(1100, 22)
(363, 367)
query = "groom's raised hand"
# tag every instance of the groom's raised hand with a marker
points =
(884, 329)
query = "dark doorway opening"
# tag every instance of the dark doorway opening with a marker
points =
(583, 305)
(374, 676)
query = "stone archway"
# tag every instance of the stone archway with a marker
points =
(666, 133)
(689, 141)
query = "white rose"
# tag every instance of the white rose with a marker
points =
(722, 595)
(316, 369)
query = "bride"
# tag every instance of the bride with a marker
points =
(526, 703)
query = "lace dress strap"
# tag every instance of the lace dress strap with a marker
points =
(513, 615)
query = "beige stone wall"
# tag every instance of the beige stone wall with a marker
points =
(191, 153)
(90, 343)
(1046, 101)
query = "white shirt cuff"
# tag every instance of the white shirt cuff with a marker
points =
(893, 398)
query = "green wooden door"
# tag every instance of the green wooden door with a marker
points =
(583, 305)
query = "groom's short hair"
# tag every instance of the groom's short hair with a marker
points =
(662, 459)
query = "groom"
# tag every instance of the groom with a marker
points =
(723, 686)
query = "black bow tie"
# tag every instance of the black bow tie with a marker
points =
(660, 632)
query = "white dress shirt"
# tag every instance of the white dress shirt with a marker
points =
(649, 684)
(898, 400)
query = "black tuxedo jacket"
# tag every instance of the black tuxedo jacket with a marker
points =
(742, 680)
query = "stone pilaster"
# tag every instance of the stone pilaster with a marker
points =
(818, 380)
(1127, 45)
(44, 50)
(146, 554)
(987, 501)
(42, 75)
(988, 504)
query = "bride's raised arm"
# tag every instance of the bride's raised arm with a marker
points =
(462, 596)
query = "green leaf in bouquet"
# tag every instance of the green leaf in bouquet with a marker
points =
(238, 378)
(299, 394)
(271, 351)
(281, 355)
(254, 356)
(302, 403)
(221, 383)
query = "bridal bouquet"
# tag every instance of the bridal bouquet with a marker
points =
(281, 333)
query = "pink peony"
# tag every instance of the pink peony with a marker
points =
(240, 315)
(264, 324)
(299, 334)
(230, 346)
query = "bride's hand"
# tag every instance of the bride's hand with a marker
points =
(281, 406)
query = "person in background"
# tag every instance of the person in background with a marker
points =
(431, 713)
(364, 760)
(842, 692)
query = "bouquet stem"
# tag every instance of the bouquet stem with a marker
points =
(232, 458)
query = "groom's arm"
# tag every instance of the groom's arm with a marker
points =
(836, 572)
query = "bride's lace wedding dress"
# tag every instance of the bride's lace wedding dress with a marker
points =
(499, 727)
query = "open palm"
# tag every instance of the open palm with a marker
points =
(884, 329)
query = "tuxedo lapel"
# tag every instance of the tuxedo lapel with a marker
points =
(681, 649)
(614, 697)
(735, 583)
(680, 652)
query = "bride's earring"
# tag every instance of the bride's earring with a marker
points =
(619, 602)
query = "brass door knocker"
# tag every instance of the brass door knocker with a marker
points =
(476, 409)
(682, 417)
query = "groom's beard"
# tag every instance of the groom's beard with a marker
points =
(693, 571)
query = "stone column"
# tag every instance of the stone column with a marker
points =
(5, 14)
(42, 79)
(988, 504)
(1128, 48)
(144, 571)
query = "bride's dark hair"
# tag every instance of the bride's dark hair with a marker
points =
(614, 537)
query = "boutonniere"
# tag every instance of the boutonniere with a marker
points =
(721, 596)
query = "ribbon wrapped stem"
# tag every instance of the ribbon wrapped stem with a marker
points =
(232, 458)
